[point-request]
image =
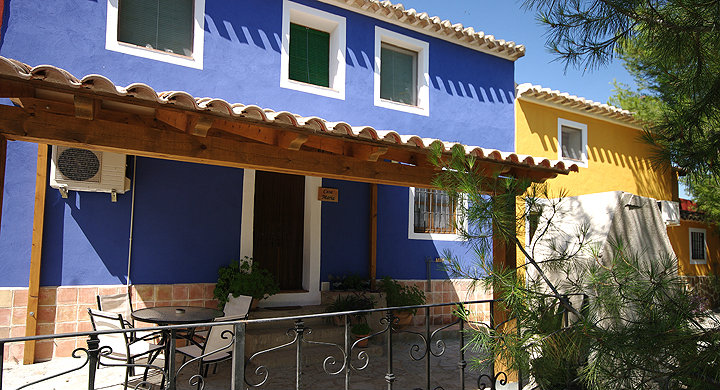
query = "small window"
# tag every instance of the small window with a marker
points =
(572, 142)
(309, 55)
(398, 75)
(312, 58)
(401, 72)
(165, 25)
(697, 246)
(434, 212)
(163, 30)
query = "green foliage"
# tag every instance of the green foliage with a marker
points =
(705, 190)
(351, 302)
(401, 295)
(361, 329)
(590, 319)
(352, 282)
(244, 278)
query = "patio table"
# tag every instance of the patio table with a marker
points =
(174, 315)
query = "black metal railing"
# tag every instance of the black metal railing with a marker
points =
(347, 356)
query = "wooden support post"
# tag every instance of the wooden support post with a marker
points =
(36, 252)
(373, 236)
(504, 257)
(3, 157)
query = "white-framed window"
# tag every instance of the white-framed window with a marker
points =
(698, 245)
(572, 142)
(433, 215)
(305, 64)
(163, 30)
(401, 72)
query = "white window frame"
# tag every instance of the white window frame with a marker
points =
(690, 243)
(196, 61)
(318, 20)
(583, 129)
(412, 235)
(422, 48)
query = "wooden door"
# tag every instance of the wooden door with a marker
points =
(278, 226)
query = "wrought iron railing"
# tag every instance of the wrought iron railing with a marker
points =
(347, 357)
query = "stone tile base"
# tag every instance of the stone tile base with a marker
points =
(64, 310)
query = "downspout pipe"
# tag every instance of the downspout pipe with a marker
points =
(132, 221)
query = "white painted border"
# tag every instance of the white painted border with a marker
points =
(427, 236)
(323, 21)
(422, 49)
(311, 241)
(583, 129)
(690, 232)
(196, 61)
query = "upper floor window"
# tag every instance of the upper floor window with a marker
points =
(401, 72)
(163, 30)
(309, 55)
(697, 246)
(434, 215)
(313, 51)
(572, 142)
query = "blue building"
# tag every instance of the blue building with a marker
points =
(205, 181)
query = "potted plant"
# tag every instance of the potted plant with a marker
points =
(244, 278)
(357, 301)
(360, 330)
(399, 295)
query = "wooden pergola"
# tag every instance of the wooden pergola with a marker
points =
(52, 107)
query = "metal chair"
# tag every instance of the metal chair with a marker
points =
(117, 303)
(238, 306)
(124, 347)
(217, 345)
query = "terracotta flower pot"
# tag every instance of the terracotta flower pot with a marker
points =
(404, 318)
(363, 343)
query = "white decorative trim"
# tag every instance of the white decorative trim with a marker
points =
(311, 241)
(422, 49)
(583, 129)
(323, 21)
(690, 232)
(412, 235)
(196, 61)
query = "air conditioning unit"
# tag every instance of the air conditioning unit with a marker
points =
(75, 169)
(670, 212)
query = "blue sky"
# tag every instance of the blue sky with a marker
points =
(505, 19)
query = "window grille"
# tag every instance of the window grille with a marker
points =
(697, 245)
(435, 212)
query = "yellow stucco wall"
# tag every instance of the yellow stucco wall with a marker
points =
(617, 159)
(680, 240)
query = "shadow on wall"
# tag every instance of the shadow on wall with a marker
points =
(245, 31)
(246, 28)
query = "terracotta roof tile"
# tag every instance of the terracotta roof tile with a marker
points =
(12, 69)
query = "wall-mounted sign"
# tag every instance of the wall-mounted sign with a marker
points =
(327, 194)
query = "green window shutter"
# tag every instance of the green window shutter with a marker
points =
(309, 55)
(175, 26)
(397, 75)
(165, 25)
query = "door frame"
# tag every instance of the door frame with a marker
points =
(311, 241)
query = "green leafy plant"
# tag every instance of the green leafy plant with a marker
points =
(244, 278)
(358, 301)
(361, 329)
(352, 282)
(399, 295)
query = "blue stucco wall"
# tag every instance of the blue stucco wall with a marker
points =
(17, 214)
(470, 92)
(188, 216)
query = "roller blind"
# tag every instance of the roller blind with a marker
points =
(398, 75)
(165, 25)
(309, 55)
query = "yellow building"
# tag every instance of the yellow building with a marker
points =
(605, 142)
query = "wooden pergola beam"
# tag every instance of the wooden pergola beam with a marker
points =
(146, 141)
